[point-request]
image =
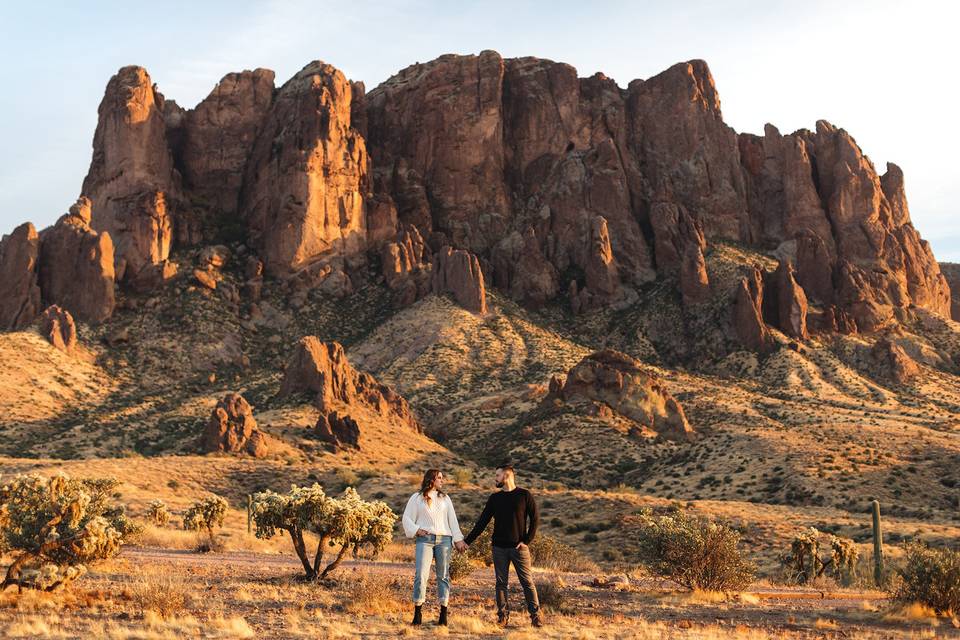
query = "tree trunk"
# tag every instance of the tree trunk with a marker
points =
(333, 565)
(324, 541)
(298, 545)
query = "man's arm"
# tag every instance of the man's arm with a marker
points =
(533, 513)
(482, 522)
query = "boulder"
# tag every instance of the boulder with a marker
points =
(233, 429)
(339, 431)
(58, 328)
(615, 380)
(76, 266)
(890, 358)
(19, 292)
(307, 174)
(458, 273)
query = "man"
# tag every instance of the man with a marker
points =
(511, 507)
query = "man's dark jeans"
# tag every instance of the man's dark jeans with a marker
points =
(502, 557)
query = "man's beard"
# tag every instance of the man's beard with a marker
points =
(499, 484)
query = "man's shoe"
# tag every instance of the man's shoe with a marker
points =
(417, 615)
(443, 617)
(503, 620)
(537, 619)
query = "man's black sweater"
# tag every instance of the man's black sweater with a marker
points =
(510, 511)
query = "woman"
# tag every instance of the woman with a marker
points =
(431, 520)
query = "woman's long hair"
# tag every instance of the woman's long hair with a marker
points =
(427, 485)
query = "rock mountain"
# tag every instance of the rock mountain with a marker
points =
(475, 171)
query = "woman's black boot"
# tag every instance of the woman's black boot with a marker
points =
(417, 614)
(443, 616)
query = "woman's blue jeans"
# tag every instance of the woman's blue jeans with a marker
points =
(438, 548)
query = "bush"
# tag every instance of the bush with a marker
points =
(804, 564)
(461, 566)
(158, 514)
(546, 552)
(347, 521)
(206, 515)
(462, 476)
(164, 595)
(368, 593)
(551, 595)
(930, 577)
(693, 552)
(56, 526)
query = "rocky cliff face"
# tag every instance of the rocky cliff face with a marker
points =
(306, 178)
(558, 186)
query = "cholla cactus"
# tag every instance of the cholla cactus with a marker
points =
(158, 513)
(205, 515)
(805, 564)
(345, 521)
(54, 526)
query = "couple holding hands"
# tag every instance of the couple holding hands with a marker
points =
(430, 519)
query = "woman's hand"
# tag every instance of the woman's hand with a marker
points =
(460, 545)
(422, 532)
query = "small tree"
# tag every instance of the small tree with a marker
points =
(158, 513)
(346, 521)
(805, 564)
(930, 577)
(693, 552)
(206, 515)
(56, 526)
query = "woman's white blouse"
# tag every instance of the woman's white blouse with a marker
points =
(437, 518)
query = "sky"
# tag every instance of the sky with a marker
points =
(885, 71)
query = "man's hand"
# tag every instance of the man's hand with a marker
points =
(461, 545)
(422, 532)
(521, 546)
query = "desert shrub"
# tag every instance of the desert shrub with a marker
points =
(164, 595)
(693, 552)
(347, 521)
(369, 593)
(930, 577)
(546, 552)
(158, 514)
(54, 527)
(461, 566)
(205, 516)
(462, 475)
(551, 594)
(804, 563)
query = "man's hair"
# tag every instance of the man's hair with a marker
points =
(506, 467)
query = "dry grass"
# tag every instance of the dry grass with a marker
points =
(366, 593)
(159, 593)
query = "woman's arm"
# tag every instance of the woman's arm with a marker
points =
(410, 517)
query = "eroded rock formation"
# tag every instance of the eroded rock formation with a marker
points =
(322, 369)
(458, 273)
(132, 184)
(19, 292)
(305, 181)
(76, 266)
(748, 322)
(58, 327)
(621, 383)
(233, 429)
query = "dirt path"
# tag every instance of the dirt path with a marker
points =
(254, 560)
